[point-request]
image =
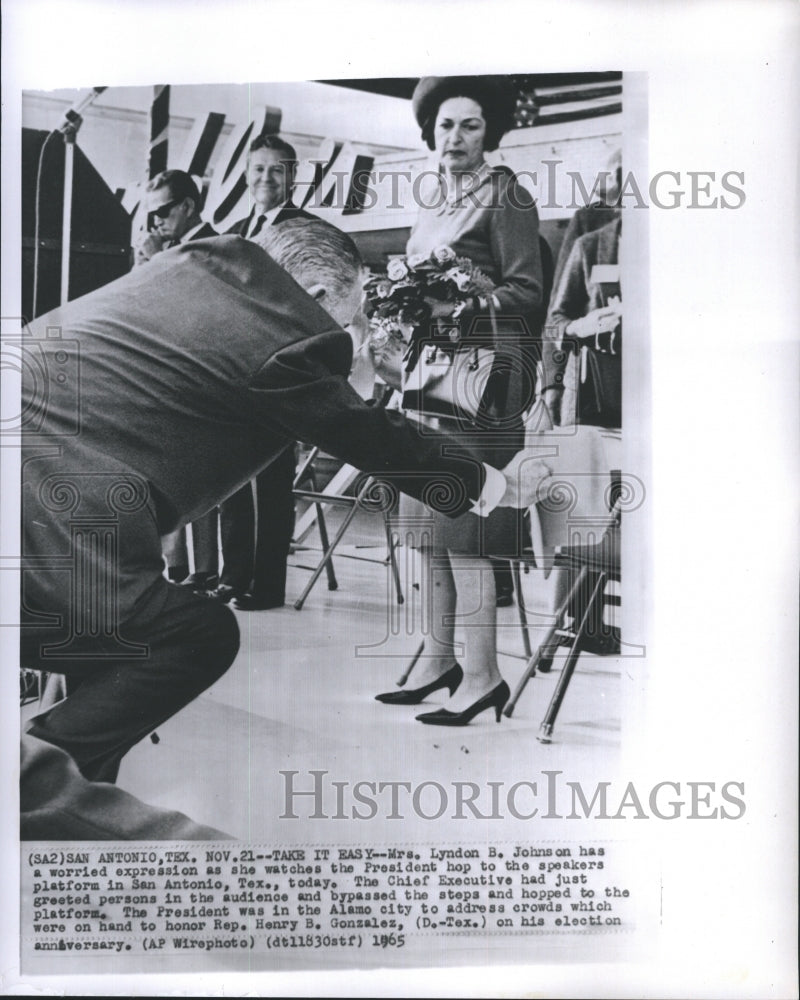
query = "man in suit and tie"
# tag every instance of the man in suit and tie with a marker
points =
(271, 166)
(171, 418)
(173, 214)
(256, 537)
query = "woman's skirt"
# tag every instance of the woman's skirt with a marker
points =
(501, 535)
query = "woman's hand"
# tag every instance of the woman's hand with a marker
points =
(597, 321)
(439, 309)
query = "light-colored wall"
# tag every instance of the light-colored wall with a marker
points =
(116, 131)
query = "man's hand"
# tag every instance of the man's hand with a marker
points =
(387, 360)
(147, 248)
(525, 475)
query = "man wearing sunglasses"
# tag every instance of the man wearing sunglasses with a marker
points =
(173, 216)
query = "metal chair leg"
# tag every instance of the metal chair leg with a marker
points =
(333, 583)
(546, 646)
(306, 469)
(392, 545)
(306, 472)
(530, 671)
(351, 513)
(523, 618)
(404, 676)
(323, 536)
(549, 721)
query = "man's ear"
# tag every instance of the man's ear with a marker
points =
(317, 292)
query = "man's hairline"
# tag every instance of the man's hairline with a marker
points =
(269, 149)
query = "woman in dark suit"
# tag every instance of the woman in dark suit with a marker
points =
(483, 213)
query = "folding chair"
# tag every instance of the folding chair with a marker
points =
(352, 505)
(593, 567)
(334, 496)
(307, 474)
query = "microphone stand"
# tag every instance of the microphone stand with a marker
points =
(69, 128)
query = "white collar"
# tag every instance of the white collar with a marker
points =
(456, 191)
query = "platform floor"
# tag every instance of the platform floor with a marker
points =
(300, 697)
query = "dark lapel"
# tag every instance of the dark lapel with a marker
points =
(240, 227)
(204, 232)
(290, 211)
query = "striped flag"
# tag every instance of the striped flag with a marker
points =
(542, 98)
(159, 124)
(566, 97)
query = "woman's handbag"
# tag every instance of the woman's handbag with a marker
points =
(599, 389)
(452, 379)
(448, 381)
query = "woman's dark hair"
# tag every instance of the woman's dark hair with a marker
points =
(494, 95)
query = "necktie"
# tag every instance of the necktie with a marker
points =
(258, 226)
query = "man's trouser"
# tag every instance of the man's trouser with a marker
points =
(254, 556)
(58, 803)
(96, 607)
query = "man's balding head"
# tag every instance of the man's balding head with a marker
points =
(323, 260)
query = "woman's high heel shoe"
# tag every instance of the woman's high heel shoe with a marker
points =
(450, 679)
(495, 699)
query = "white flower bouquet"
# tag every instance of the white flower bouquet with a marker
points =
(414, 289)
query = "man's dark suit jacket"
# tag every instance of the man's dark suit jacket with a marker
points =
(196, 371)
(204, 232)
(288, 212)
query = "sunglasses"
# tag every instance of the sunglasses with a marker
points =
(163, 210)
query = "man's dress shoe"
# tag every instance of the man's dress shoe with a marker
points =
(253, 602)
